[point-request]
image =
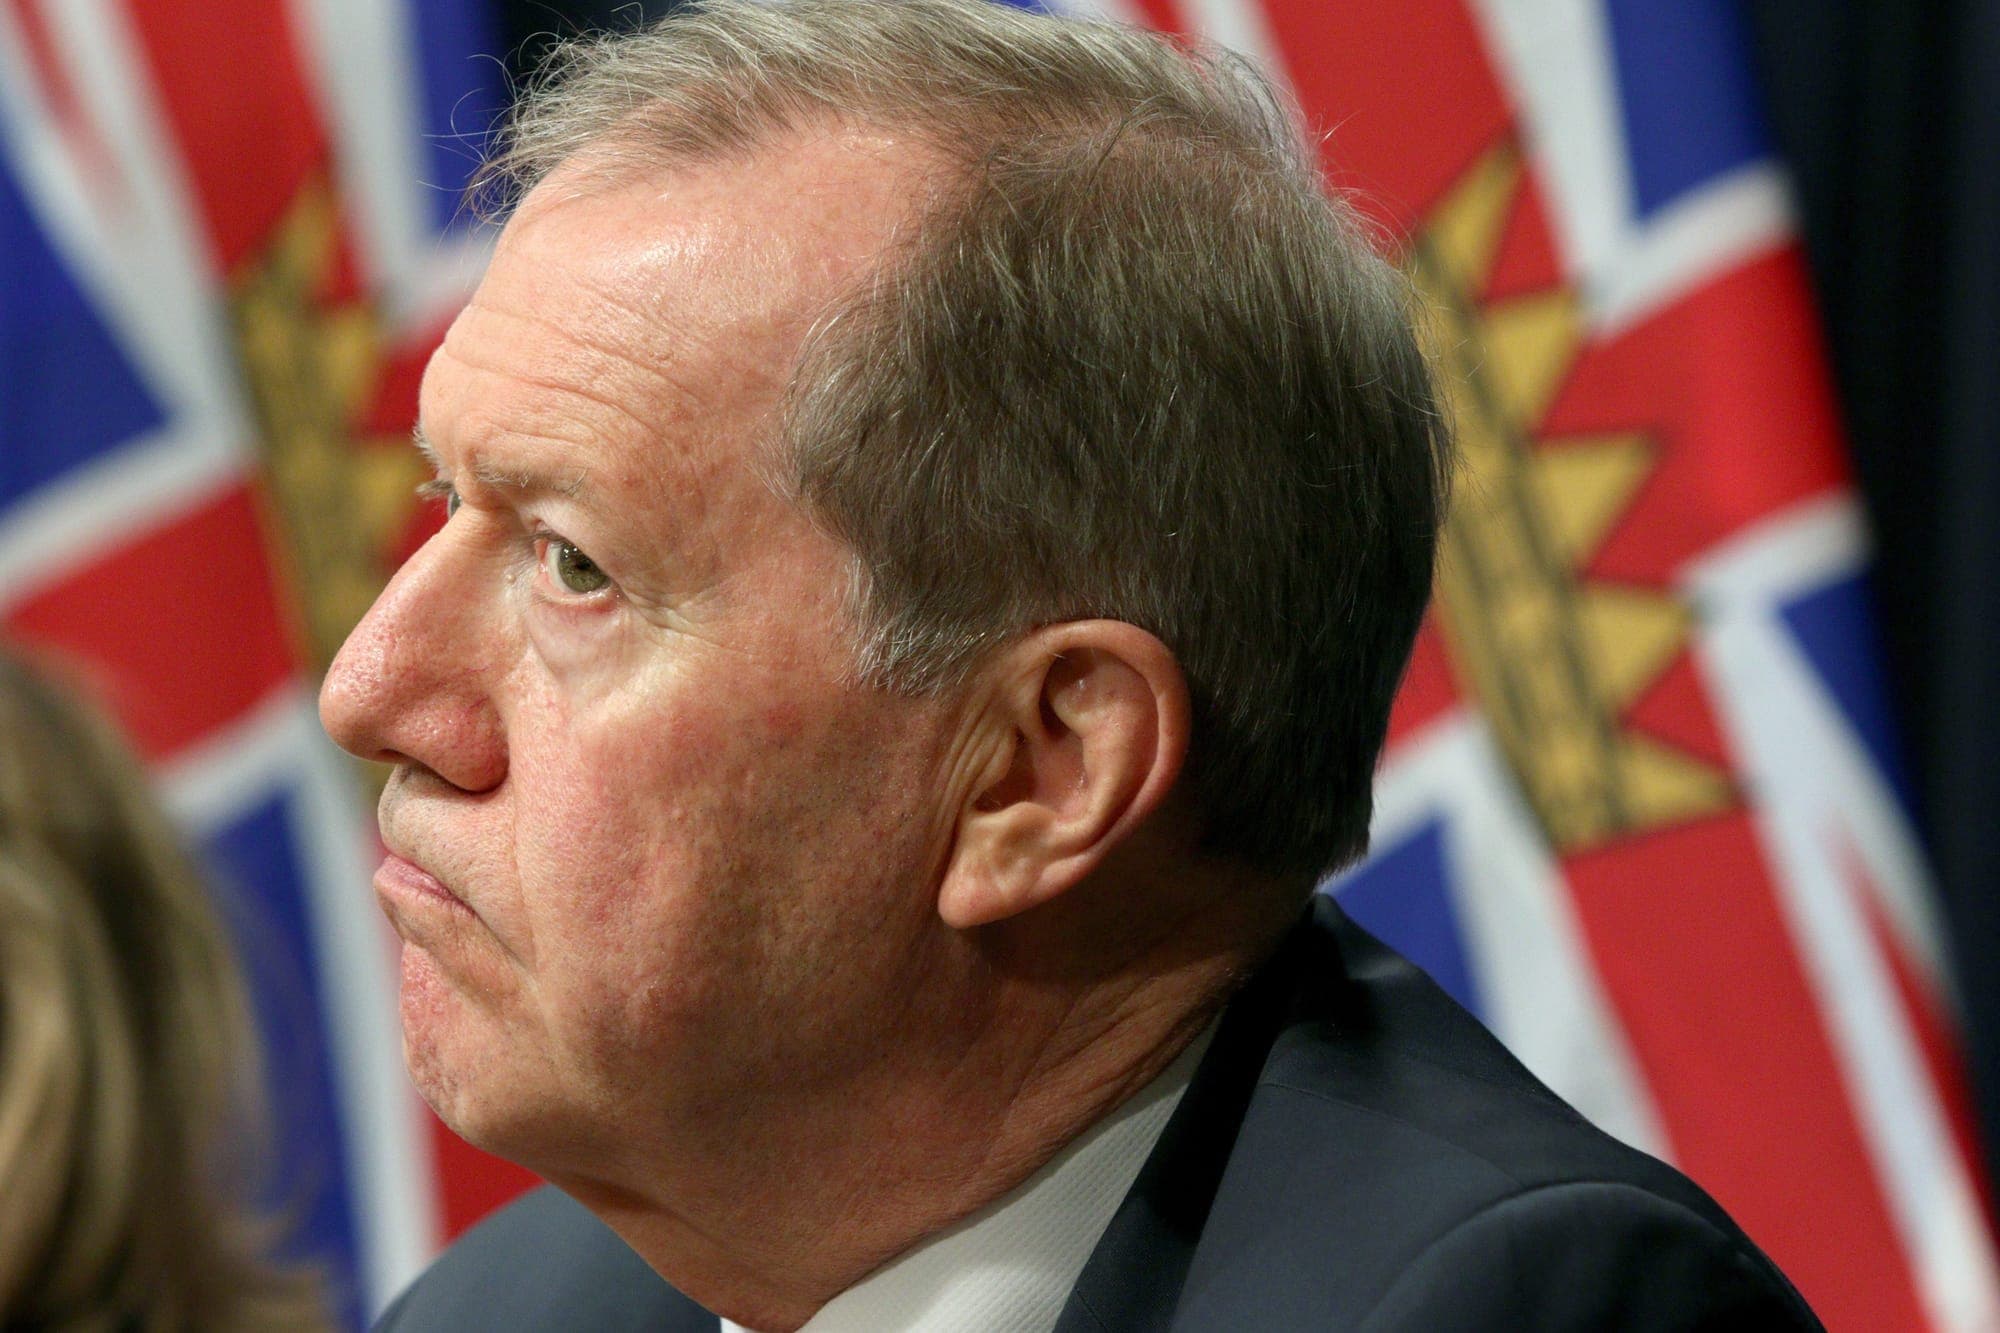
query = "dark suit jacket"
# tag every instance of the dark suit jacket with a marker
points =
(1355, 1152)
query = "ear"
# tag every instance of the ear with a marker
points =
(1086, 729)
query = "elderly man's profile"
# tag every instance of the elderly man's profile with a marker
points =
(940, 500)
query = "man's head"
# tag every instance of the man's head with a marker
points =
(1123, 357)
(937, 493)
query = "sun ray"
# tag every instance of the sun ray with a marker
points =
(1583, 485)
(1465, 229)
(1629, 637)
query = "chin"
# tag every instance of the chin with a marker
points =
(484, 1106)
(451, 1063)
(488, 1087)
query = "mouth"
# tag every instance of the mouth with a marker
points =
(405, 885)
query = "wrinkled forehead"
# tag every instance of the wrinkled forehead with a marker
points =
(662, 312)
(634, 335)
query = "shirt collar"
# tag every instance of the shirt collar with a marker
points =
(1009, 1267)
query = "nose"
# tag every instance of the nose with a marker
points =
(411, 684)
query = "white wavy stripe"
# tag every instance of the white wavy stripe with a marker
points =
(1556, 56)
(163, 300)
(1807, 547)
(1532, 968)
(360, 58)
(278, 748)
(100, 232)
(44, 168)
(67, 523)
(1798, 754)
(1734, 218)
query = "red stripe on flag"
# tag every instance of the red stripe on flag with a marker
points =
(1700, 965)
(1526, 260)
(1428, 690)
(472, 1183)
(1731, 384)
(1936, 1034)
(1676, 708)
(1404, 89)
(1161, 14)
(228, 74)
(183, 624)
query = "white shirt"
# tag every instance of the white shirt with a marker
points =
(1009, 1267)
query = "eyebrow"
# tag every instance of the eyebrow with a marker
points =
(526, 480)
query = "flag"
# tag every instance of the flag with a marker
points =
(1641, 809)
(229, 241)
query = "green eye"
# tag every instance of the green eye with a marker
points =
(574, 570)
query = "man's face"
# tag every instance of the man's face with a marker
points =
(651, 851)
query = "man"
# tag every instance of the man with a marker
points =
(939, 502)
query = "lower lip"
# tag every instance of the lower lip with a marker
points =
(406, 881)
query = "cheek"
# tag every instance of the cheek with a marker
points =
(622, 843)
(734, 849)
(782, 724)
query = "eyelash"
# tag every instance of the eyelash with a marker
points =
(440, 489)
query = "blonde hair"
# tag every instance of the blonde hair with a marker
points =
(126, 1053)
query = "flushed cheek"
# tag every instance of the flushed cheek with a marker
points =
(616, 845)
(671, 865)
(780, 724)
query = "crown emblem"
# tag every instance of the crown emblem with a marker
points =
(1554, 657)
(310, 351)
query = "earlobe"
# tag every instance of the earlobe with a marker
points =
(1088, 727)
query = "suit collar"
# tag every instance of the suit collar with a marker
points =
(1133, 1278)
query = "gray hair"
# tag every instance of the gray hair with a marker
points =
(1131, 361)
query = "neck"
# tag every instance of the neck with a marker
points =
(767, 1218)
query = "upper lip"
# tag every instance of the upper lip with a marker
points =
(395, 840)
(392, 802)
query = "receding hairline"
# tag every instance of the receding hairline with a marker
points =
(620, 156)
(963, 78)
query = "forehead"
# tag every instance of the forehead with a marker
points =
(646, 307)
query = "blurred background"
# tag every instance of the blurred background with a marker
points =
(1693, 792)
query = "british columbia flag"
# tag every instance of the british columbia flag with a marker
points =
(225, 251)
(1641, 809)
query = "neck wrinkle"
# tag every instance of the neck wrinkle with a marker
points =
(964, 1134)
